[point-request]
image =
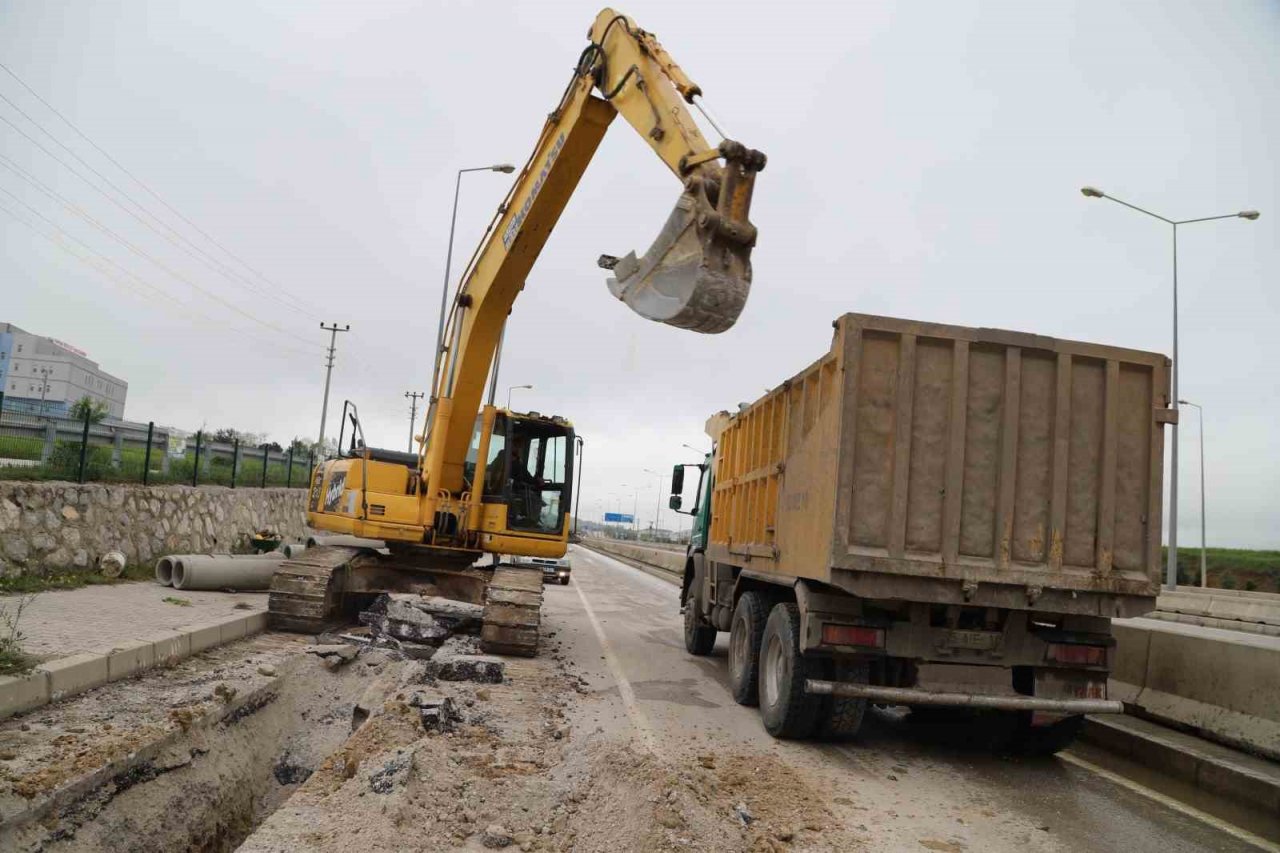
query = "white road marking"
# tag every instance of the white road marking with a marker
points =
(1169, 802)
(625, 692)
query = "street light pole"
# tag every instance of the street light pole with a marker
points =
(505, 168)
(577, 503)
(1204, 560)
(514, 388)
(657, 513)
(1171, 568)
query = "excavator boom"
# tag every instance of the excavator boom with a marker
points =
(696, 275)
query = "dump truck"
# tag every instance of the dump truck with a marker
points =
(931, 516)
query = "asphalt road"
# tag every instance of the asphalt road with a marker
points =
(898, 788)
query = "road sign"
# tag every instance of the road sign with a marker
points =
(619, 517)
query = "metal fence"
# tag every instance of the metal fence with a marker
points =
(38, 447)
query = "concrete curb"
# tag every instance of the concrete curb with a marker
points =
(1235, 776)
(58, 679)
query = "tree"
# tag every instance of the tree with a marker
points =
(87, 407)
(273, 446)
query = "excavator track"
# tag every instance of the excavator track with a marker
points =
(512, 611)
(306, 591)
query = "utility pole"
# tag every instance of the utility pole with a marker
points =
(414, 397)
(328, 374)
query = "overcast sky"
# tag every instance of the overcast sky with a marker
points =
(925, 161)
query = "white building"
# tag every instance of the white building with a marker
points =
(46, 376)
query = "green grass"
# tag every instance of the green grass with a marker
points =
(13, 660)
(1230, 568)
(19, 447)
(70, 580)
(181, 602)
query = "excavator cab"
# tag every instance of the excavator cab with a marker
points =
(526, 479)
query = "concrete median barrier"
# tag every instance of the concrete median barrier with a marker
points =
(1223, 684)
(1237, 610)
(658, 557)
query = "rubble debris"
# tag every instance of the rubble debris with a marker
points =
(483, 669)
(392, 774)
(335, 655)
(111, 564)
(495, 837)
(438, 713)
(744, 814)
(289, 773)
(425, 619)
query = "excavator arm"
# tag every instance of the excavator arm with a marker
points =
(695, 276)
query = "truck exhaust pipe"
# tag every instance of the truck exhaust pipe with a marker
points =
(697, 274)
(915, 696)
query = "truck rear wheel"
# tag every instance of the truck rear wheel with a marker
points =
(1044, 740)
(785, 708)
(699, 638)
(841, 716)
(745, 633)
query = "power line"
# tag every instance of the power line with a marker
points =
(299, 304)
(104, 265)
(99, 190)
(131, 247)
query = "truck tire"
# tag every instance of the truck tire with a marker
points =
(745, 633)
(786, 710)
(1044, 740)
(841, 716)
(699, 638)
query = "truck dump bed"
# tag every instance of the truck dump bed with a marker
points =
(956, 465)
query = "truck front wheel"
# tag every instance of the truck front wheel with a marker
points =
(785, 708)
(745, 634)
(699, 638)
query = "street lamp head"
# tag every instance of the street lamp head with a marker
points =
(505, 168)
(1248, 214)
(1093, 192)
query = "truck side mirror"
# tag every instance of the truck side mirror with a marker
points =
(674, 502)
(677, 482)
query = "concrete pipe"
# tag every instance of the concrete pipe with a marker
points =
(345, 541)
(293, 549)
(225, 571)
(164, 571)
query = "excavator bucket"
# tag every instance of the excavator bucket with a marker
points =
(697, 274)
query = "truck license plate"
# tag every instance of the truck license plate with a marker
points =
(978, 640)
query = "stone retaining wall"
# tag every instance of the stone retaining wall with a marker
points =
(45, 527)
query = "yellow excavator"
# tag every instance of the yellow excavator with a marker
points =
(491, 481)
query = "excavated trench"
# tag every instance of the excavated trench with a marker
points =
(231, 746)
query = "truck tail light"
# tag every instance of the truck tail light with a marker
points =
(1078, 655)
(852, 635)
